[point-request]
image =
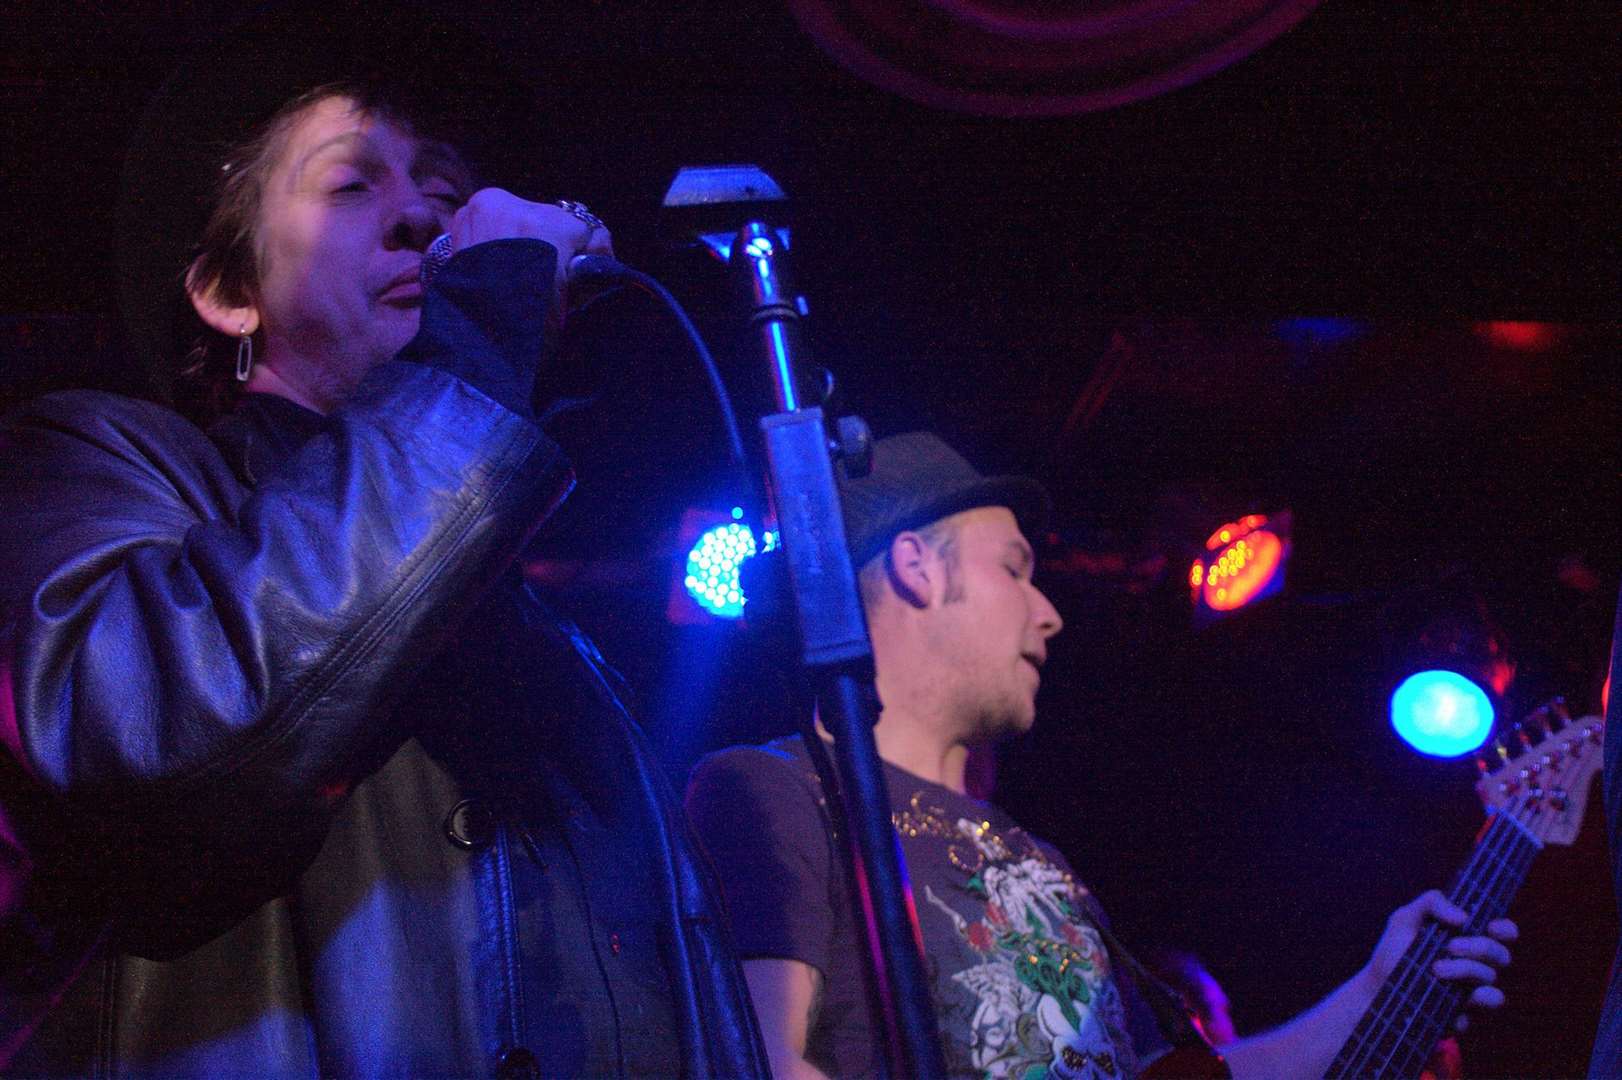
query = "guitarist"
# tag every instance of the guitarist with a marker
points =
(1025, 977)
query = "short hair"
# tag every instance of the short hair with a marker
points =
(227, 259)
(941, 537)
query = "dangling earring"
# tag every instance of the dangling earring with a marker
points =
(244, 354)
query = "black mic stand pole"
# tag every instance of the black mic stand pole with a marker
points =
(835, 651)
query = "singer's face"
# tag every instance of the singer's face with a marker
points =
(347, 210)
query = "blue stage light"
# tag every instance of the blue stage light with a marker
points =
(1441, 713)
(712, 568)
(1318, 332)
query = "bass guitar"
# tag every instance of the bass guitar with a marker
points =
(1533, 798)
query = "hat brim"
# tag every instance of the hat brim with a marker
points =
(1027, 499)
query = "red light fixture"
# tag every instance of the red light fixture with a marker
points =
(1243, 562)
(1522, 336)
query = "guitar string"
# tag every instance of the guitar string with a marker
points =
(1441, 1002)
(1423, 1013)
(1392, 1005)
(1439, 998)
(1510, 869)
(1376, 1026)
(1430, 1013)
(1379, 1036)
(1365, 1042)
(1499, 889)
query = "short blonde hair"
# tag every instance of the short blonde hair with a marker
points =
(940, 536)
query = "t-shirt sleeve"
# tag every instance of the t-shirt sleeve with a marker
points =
(1148, 1041)
(757, 814)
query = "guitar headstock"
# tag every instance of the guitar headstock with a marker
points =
(1545, 785)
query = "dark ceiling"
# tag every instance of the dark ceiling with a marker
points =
(1379, 158)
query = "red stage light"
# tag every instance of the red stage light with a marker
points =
(1527, 336)
(1244, 562)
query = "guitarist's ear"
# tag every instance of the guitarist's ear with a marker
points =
(906, 567)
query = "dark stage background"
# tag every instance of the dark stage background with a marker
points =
(1271, 289)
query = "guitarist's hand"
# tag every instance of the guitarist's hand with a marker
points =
(1469, 961)
(1305, 1048)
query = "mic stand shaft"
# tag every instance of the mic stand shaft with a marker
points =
(837, 657)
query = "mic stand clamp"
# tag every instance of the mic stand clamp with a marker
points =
(854, 446)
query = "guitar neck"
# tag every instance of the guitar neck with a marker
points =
(1414, 1008)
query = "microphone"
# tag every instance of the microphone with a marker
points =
(594, 275)
(585, 273)
(434, 259)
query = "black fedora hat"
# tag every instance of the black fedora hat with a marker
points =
(916, 479)
(426, 59)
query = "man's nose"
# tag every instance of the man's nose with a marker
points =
(1047, 616)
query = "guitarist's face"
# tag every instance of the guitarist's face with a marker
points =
(991, 625)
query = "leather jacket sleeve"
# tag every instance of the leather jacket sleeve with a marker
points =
(212, 665)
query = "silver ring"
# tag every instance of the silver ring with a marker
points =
(580, 212)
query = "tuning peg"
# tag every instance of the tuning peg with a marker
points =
(1520, 733)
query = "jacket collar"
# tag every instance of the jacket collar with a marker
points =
(263, 431)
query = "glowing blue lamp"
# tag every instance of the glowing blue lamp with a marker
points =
(712, 567)
(1315, 332)
(1441, 713)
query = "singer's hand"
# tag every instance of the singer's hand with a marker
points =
(494, 214)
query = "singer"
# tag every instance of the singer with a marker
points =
(299, 777)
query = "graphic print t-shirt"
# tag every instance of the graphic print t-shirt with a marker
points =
(1020, 978)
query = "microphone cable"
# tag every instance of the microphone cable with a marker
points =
(595, 268)
(603, 270)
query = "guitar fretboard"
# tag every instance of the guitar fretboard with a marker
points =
(1414, 1008)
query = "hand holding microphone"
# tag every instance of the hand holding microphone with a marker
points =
(585, 248)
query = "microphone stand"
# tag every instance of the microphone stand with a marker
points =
(834, 648)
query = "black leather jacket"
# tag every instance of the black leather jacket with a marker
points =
(247, 688)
